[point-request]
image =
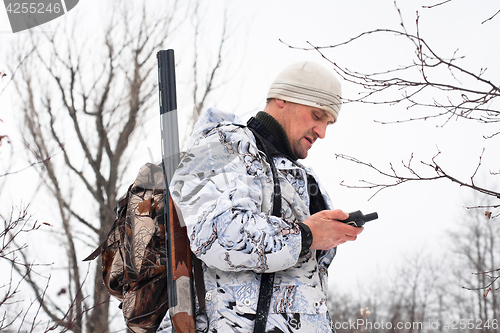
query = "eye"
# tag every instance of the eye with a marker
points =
(316, 116)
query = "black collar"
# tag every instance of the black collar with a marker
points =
(269, 129)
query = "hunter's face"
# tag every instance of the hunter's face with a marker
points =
(303, 125)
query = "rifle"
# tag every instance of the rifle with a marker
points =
(179, 261)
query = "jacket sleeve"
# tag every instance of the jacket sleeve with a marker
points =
(219, 188)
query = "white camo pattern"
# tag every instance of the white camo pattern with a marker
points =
(223, 189)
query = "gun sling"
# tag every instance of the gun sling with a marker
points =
(267, 279)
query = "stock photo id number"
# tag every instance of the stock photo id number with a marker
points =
(26, 14)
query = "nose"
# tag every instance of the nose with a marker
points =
(320, 130)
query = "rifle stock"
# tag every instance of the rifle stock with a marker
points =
(182, 313)
(179, 264)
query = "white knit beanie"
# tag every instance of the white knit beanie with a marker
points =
(309, 84)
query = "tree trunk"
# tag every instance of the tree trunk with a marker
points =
(98, 321)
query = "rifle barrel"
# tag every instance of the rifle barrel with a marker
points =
(179, 265)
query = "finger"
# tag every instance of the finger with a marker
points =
(350, 237)
(356, 231)
(347, 228)
(335, 214)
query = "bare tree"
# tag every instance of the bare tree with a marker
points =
(407, 298)
(15, 318)
(13, 226)
(81, 111)
(347, 311)
(208, 81)
(476, 243)
(423, 293)
(436, 85)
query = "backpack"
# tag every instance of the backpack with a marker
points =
(134, 255)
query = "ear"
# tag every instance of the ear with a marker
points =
(281, 103)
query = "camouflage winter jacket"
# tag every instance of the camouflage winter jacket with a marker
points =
(223, 187)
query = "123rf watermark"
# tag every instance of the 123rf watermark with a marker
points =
(26, 14)
(435, 324)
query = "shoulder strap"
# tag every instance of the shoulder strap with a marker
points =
(267, 279)
(263, 144)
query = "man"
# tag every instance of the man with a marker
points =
(224, 189)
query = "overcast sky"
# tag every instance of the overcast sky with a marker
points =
(412, 217)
